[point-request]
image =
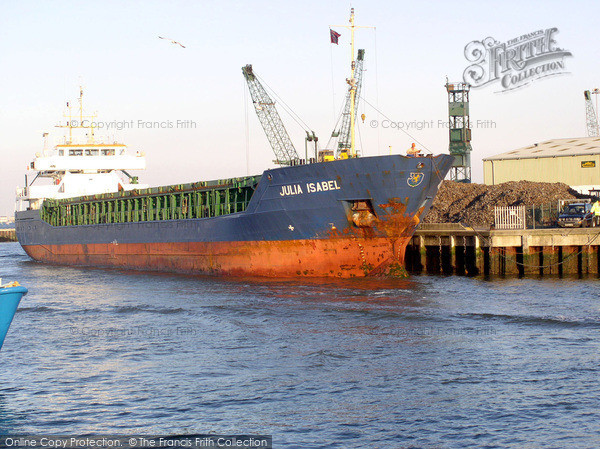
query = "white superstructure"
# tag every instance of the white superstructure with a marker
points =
(79, 167)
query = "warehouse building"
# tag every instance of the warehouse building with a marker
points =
(575, 162)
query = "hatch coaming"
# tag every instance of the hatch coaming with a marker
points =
(176, 202)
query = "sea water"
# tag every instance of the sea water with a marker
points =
(429, 362)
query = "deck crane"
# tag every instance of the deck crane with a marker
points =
(285, 153)
(590, 113)
(344, 133)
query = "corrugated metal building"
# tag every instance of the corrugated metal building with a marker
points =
(575, 162)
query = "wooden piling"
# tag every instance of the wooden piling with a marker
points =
(592, 260)
(531, 260)
(570, 260)
(454, 249)
(552, 260)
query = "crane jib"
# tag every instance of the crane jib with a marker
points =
(279, 139)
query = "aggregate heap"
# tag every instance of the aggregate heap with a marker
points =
(473, 204)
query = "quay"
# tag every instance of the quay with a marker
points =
(8, 235)
(456, 249)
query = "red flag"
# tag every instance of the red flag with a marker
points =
(334, 36)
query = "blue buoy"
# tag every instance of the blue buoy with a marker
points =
(9, 301)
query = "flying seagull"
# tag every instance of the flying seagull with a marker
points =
(172, 41)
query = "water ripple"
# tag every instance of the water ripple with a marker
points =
(427, 362)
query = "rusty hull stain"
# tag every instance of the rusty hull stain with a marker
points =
(393, 229)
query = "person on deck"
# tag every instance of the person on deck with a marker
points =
(413, 151)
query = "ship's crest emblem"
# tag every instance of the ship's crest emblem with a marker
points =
(415, 179)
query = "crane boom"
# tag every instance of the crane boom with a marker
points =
(345, 138)
(285, 153)
(590, 114)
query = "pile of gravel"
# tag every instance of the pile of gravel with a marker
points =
(473, 204)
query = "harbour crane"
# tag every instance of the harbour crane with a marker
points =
(285, 153)
(590, 113)
(344, 133)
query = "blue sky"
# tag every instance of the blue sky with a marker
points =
(112, 48)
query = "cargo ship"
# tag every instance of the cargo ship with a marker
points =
(334, 215)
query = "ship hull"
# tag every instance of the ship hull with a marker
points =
(301, 221)
(338, 257)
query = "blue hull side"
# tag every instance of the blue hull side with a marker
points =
(270, 214)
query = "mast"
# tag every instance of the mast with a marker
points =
(80, 124)
(343, 133)
(69, 123)
(352, 81)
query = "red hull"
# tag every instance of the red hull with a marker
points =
(339, 257)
